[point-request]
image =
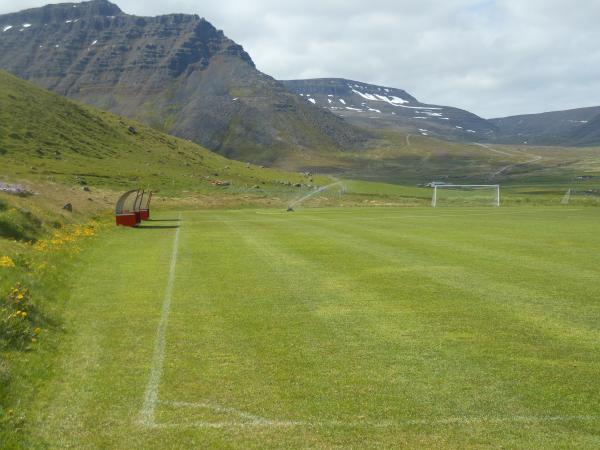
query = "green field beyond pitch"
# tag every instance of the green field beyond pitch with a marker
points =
(358, 328)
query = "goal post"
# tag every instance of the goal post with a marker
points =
(466, 195)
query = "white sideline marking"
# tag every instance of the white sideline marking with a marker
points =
(381, 424)
(151, 395)
(257, 421)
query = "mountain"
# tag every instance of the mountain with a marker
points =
(175, 72)
(181, 75)
(579, 126)
(385, 107)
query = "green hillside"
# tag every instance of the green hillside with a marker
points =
(45, 137)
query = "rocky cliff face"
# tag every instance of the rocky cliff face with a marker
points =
(175, 72)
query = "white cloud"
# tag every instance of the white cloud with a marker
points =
(492, 57)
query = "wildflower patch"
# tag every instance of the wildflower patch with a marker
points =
(7, 262)
(20, 321)
(18, 327)
(69, 235)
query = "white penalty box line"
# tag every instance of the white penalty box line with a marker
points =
(247, 420)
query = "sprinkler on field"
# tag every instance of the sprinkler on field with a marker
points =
(290, 207)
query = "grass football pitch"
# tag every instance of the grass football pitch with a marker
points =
(334, 328)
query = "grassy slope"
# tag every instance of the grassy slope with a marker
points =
(352, 323)
(44, 137)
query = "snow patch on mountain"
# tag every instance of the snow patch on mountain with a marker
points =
(391, 99)
(365, 96)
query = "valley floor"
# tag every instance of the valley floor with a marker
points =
(363, 328)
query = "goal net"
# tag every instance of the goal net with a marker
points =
(581, 196)
(466, 195)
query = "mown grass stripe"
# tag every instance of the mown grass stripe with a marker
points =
(151, 395)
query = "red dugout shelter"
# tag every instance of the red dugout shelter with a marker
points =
(127, 209)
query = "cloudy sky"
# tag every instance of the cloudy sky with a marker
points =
(492, 57)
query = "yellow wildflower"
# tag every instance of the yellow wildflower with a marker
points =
(6, 261)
